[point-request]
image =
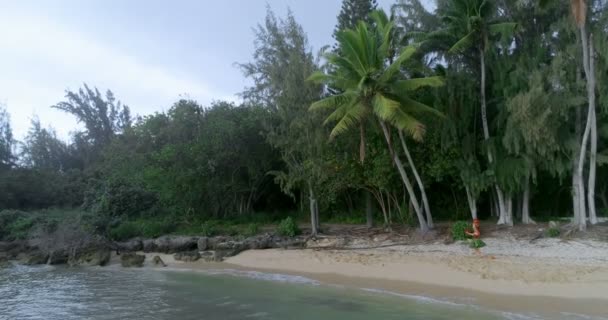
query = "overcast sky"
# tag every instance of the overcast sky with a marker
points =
(148, 52)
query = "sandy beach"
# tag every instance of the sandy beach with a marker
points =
(545, 276)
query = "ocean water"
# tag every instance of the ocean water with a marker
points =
(113, 293)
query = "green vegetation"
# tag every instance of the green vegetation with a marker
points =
(476, 243)
(479, 109)
(553, 232)
(288, 228)
(458, 230)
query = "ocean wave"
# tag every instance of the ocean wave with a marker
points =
(267, 276)
(418, 298)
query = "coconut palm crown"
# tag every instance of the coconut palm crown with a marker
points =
(370, 80)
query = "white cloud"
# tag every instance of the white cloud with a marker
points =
(41, 58)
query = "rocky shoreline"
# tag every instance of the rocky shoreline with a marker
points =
(183, 248)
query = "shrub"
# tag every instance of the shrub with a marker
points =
(155, 228)
(553, 232)
(252, 229)
(209, 229)
(477, 243)
(125, 231)
(288, 228)
(458, 230)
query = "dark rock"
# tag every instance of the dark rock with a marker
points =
(188, 256)
(203, 243)
(148, 245)
(212, 243)
(13, 248)
(157, 261)
(129, 260)
(207, 256)
(58, 257)
(91, 257)
(171, 244)
(129, 246)
(4, 263)
(33, 258)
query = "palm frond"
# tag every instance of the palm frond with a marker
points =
(394, 68)
(464, 43)
(416, 83)
(333, 102)
(352, 117)
(505, 29)
(384, 107)
(414, 128)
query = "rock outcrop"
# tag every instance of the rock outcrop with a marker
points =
(130, 260)
(90, 257)
(4, 263)
(187, 256)
(170, 244)
(158, 262)
(129, 246)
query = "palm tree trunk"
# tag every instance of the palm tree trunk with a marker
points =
(593, 147)
(472, 202)
(406, 181)
(425, 201)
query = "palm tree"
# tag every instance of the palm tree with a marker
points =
(469, 25)
(371, 85)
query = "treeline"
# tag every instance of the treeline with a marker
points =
(479, 108)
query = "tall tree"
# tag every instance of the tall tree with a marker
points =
(102, 115)
(471, 24)
(371, 85)
(42, 149)
(281, 63)
(6, 140)
(352, 12)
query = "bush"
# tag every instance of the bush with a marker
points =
(458, 230)
(477, 243)
(155, 228)
(288, 228)
(140, 228)
(251, 230)
(553, 232)
(209, 229)
(125, 231)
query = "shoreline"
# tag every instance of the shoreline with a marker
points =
(547, 285)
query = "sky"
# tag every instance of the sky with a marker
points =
(150, 53)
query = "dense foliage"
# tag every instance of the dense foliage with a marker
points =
(482, 109)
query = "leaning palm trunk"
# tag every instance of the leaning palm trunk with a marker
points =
(425, 201)
(406, 181)
(503, 216)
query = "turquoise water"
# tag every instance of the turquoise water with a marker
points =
(114, 293)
